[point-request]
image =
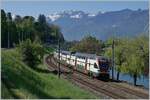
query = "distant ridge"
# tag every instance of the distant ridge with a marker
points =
(77, 24)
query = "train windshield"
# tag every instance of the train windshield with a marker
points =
(103, 65)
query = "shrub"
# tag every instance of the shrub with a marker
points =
(32, 52)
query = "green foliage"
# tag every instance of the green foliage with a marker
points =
(131, 55)
(20, 29)
(32, 52)
(66, 45)
(21, 81)
(48, 49)
(88, 44)
(4, 29)
(137, 56)
(42, 19)
(8, 29)
(120, 53)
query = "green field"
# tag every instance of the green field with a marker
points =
(20, 81)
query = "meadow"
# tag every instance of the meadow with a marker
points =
(21, 81)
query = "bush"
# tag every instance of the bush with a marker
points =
(32, 52)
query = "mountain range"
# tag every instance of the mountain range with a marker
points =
(76, 24)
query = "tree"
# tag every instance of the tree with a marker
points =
(88, 44)
(137, 57)
(56, 33)
(12, 31)
(68, 44)
(42, 28)
(4, 31)
(32, 52)
(13, 35)
(28, 28)
(9, 22)
(120, 53)
(42, 19)
(20, 29)
(18, 21)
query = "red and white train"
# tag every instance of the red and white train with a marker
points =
(97, 66)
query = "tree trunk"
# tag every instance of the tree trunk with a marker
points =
(8, 45)
(135, 79)
(118, 74)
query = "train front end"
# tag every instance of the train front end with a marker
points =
(103, 64)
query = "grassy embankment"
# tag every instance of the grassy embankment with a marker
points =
(21, 81)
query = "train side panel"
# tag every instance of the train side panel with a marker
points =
(68, 59)
(72, 60)
(93, 67)
(80, 64)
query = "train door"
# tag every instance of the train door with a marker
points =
(86, 71)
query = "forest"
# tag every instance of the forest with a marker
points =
(27, 27)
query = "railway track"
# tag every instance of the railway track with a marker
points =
(75, 79)
(107, 88)
(98, 89)
(133, 93)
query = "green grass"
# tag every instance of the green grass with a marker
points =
(21, 81)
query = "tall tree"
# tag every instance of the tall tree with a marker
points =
(56, 33)
(42, 19)
(137, 57)
(18, 21)
(120, 55)
(20, 29)
(119, 51)
(12, 31)
(9, 23)
(4, 29)
(28, 28)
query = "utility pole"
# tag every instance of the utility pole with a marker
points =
(113, 51)
(58, 55)
(113, 58)
(59, 58)
(22, 33)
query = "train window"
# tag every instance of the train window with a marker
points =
(104, 65)
(95, 65)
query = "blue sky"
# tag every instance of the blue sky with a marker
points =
(34, 8)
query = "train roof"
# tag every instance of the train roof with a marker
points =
(85, 55)
(66, 52)
(102, 57)
(91, 56)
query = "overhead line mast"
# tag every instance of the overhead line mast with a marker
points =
(113, 58)
(113, 52)
(58, 54)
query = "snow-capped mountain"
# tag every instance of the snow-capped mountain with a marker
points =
(91, 15)
(54, 17)
(69, 14)
(76, 24)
